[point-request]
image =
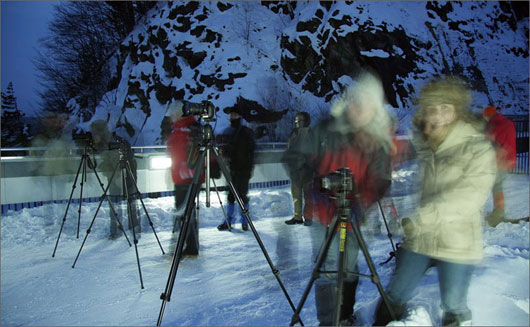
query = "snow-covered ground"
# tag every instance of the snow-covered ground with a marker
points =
(230, 283)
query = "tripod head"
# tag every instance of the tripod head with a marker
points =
(207, 134)
(340, 185)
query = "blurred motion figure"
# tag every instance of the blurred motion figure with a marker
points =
(357, 137)
(298, 177)
(501, 132)
(459, 169)
(183, 130)
(102, 141)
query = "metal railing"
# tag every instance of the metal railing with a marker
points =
(75, 150)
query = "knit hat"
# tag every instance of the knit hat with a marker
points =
(489, 111)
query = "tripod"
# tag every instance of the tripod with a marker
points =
(126, 173)
(392, 253)
(178, 219)
(207, 148)
(85, 159)
(347, 185)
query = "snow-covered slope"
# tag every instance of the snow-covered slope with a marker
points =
(274, 58)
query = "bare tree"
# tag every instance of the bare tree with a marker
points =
(74, 60)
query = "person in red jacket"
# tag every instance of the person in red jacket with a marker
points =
(501, 132)
(357, 137)
(183, 130)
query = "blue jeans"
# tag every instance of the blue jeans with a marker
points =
(453, 278)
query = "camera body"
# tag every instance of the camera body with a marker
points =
(117, 145)
(83, 139)
(204, 110)
(338, 181)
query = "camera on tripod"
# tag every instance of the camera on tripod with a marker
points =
(338, 181)
(204, 110)
(117, 145)
(83, 139)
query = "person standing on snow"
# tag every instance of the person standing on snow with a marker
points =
(459, 168)
(299, 190)
(357, 137)
(183, 130)
(238, 149)
(501, 132)
(102, 139)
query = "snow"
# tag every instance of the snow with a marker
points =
(230, 283)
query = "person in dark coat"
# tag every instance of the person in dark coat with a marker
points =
(238, 149)
(357, 137)
(183, 131)
(103, 142)
(501, 132)
(299, 189)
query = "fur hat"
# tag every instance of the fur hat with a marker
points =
(448, 90)
(489, 111)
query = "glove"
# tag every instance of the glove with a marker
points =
(408, 227)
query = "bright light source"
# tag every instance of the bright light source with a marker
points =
(160, 163)
(11, 158)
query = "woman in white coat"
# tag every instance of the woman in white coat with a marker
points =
(459, 170)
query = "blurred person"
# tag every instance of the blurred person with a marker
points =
(183, 131)
(459, 168)
(299, 190)
(501, 132)
(102, 140)
(356, 136)
(55, 143)
(238, 149)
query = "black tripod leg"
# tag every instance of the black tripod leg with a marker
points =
(195, 187)
(275, 271)
(175, 222)
(97, 210)
(68, 205)
(342, 267)
(389, 234)
(105, 194)
(143, 205)
(316, 270)
(221, 203)
(83, 180)
(124, 172)
(371, 266)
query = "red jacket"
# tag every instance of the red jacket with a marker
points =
(178, 146)
(502, 131)
(324, 152)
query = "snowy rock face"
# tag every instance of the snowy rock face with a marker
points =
(271, 59)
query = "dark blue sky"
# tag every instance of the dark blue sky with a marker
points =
(23, 23)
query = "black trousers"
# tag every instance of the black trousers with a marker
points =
(240, 181)
(192, 240)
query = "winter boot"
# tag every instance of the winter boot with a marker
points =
(294, 220)
(229, 217)
(456, 319)
(382, 315)
(244, 222)
(325, 302)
